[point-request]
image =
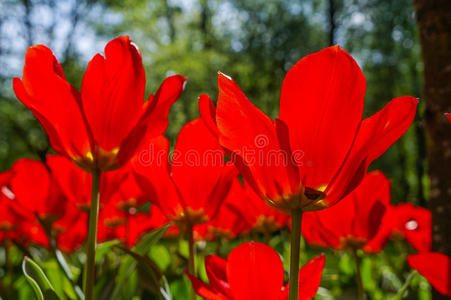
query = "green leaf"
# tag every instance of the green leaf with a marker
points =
(149, 273)
(103, 249)
(129, 264)
(42, 287)
(160, 256)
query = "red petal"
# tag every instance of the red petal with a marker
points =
(216, 268)
(199, 169)
(415, 223)
(435, 267)
(151, 170)
(321, 232)
(207, 112)
(309, 279)
(113, 92)
(448, 115)
(322, 104)
(375, 135)
(251, 136)
(53, 101)
(154, 121)
(32, 193)
(204, 290)
(255, 271)
(371, 198)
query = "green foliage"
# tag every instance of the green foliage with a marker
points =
(36, 278)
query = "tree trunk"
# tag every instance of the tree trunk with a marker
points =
(434, 21)
(332, 24)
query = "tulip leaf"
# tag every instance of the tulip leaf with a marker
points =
(148, 272)
(103, 248)
(129, 263)
(36, 278)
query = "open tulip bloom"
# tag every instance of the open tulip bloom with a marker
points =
(191, 189)
(319, 148)
(353, 223)
(254, 271)
(100, 127)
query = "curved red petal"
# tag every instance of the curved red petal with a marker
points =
(322, 104)
(204, 290)
(151, 170)
(53, 101)
(207, 112)
(372, 199)
(254, 271)
(199, 169)
(113, 92)
(435, 267)
(375, 135)
(251, 136)
(154, 121)
(31, 185)
(216, 268)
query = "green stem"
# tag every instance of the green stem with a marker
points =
(192, 256)
(296, 220)
(405, 286)
(88, 284)
(361, 292)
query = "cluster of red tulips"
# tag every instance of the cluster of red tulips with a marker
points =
(232, 171)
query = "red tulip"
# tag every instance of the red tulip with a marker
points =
(71, 229)
(435, 267)
(261, 217)
(191, 189)
(319, 149)
(34, 189)
(448, 115)
(17, 223)
(231, 219)
(411, 222)
(355, 221)
(120, 217)
(254, 271)
(76, 184)
(101, 127)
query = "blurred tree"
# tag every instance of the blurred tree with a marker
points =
(22, 24)
(434, 21)
(383, 36)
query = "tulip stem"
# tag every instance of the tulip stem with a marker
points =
(192, 256)
(296, 220)
(88, 284)
(361, 292)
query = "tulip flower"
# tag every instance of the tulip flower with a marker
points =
(413, 223)
(319, 148)
(76, 184)
(254, 271)
(231, 219)
(35, 190)
(435, 267)
(16, 221)
(100, 127)
(190, 190)
(120, 217)
(355, 221)
(261, 217)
